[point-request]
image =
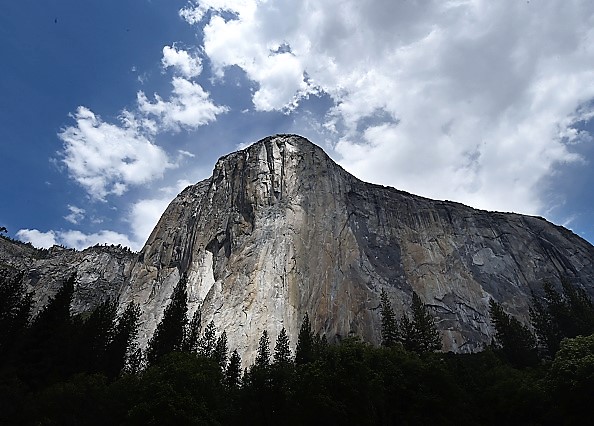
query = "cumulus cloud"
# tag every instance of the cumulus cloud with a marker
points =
(181, 60)
(189, 107)
(468, 100)
(72, 238)
(80, 240)
(37, 238)
(266, 59)
(195, 11)
(106, 158)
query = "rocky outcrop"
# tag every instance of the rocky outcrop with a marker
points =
(101, 271)
(280, 230)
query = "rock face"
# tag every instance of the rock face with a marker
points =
(280, 230)
(101, 271)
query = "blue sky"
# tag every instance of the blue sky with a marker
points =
(110, 108)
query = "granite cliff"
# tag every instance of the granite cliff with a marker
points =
(279, 230)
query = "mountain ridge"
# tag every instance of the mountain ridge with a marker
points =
(280, 229)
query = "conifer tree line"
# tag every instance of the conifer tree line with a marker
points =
(56, 344)
(554, 316)
(60, 368)
(416, 333)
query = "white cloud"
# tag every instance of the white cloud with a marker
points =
(74, 239)
(76, 214)
(189, 107)
(265, 58)
(184, 153)
(474, 101)
(80, 240)
(145, 213)
(37, 238)
(144, 216)
(105, 158)
(188, 65)
(195, 11)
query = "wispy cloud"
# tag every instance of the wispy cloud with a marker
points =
(76, 214)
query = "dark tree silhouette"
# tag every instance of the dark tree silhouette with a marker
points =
(419, 334)
(389, 324)
(57, 311)
(517, 343)
(208, 342)
(566, 314)
(304, 352)
(233, 371)
(122, 351)
(169, 335)
(263, 356)
(282, 349)
(50, 350)
(15, 309)
(193, 333)
(96, 334)
(221, 351)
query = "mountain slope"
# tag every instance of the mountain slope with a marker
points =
(101, 271)
(280, 230)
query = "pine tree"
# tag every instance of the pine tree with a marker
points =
(566, 314)
(233, 371)
(419, 334)
(193, 333)
(428, 337)
(304, 352)
(517, 343)
(122, 348)
(408, 334)
(263, 356)
(547, 332)
(207, 343)
(389, 325)
(282, 349)
(169, 335)
(49, 352)
(97, 333)
(57, 310)
(580, 309)
(558, 309)
(135, 361)
(15, 309)
(221, 351)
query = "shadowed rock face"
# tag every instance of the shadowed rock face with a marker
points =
(280, 230)
(101, 272)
